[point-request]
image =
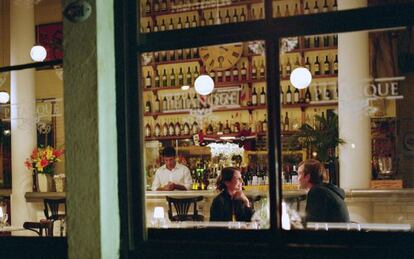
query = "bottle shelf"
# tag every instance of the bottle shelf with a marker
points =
(187, 111)
(313, 49)
(209, 137)
(311, 104)
(177, 61)
(326, 76)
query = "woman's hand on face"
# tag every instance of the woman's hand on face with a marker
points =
(241, 196)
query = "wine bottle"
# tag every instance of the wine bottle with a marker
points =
(296, 10)
(172, 77)
(335, 6)
(171, 129)
(171, 25)
(227, 17)
(218, 19)
(318, 96)
(226, 129)
(147, 7)
(306, 43)
(327, 93)
(296, 64)
(148, 28)
(164, 79)
(187, 53)
(288, 96)
(177, 129)
(187, 22)
(194, 22)
(242, 16)
(194, 128)
(335, 65)
(326, 66)
(212, 74)
(254, 71)
(196, 103)
(157, 107)
(262, 70)
(335, 39)
(164, 104)
(171, 103)
(282, 96)
(156, 56)
(202, 20)
(307, 9)
(157, 79)
(288, 67)
(287, 12)
(243, 72)
(286, 124)
(326, 40)
(210, 130)
(325, 7)
(227, 75)
(163, 5)
(163, 55)
(278, 13)
(220, 76)
(186, 129)
(210, 19)
(148, 80)
(195, 74)
(165, 129)
(254, 97)
(180, 54)
(317, 67)
(262, 97)
(157, 130)
(180, 103)
(235, 73)
(147, 130)
(163, 27)
(316, 42)
(307, 64)
(235, 18)
(308, 97)
(188, 77)
(179, 23)
(171, 54)
(147, 106)
(188, 102)
(156, 6)
(296, 96)
(264, 124)
(316, 7)
(195, 53)
(181, 77)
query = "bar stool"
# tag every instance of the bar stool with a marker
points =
(38, 227)
(52, 211)
(182, 206)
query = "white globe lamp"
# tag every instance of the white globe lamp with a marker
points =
(300, 77)
(4, 97)
(204, 85)
(38, 53)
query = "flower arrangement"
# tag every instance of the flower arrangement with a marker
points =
(42, 159)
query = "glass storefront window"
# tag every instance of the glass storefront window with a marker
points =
(209, 133)
(164, 15)
(351, 118)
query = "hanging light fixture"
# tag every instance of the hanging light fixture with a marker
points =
(38, 53)
(300, 77)
(4, 97)
(204, 85)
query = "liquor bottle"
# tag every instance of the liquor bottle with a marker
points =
(196, 103)
(316, 42)
(316, 7)
(195, 74)
(262, 97)
(164, 104)
(180, 54)
(186, 129)
(187, 53)
(202, 20)
(212, 74)
(254, 97)
(286, 124)
(326, 40)
(147, 106)
(148, 80)
(318, 96)
(226, 129)
(163, 27)
(317, 67)
(242, 16)
(235, 18)
(307, 9)
(288, 96)
(326, 66)
(157, 79)
(294, 176)
(188, 102)
(148, 28)
(164, 79)
(163, 55)
(177, 129)
(147, 7)
(195, 53)
(335, 65)
(327, 93)
(264, 124)
(262, 70)
(171, 54)
(296, 10)
(180, 77)
(227, 17)
(243, 72)
(180, 103)
(306, 43)
(147, 130)
(296, 64)
(282, 96)
(307, 64)
(179, 23)
(171, 25)
(157, 107)
(227, 75)
(165, 129)
(156, 6)
(278, 13)
(210, 19)
(171, 129)
(157, 130)
(308, 97)
(171, 103)
(220, 76)
(194, 128)
(218, 19)
(156, 56)
(325, 7)
(335, 6)
(188, 77)
(254, 71)
(172, 77)
(194, 22)
(287, 13)
(187, 23)
(235, 73)
(296, 96)
(163, 5)
(288, 67)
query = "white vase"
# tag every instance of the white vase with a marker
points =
(44, 182)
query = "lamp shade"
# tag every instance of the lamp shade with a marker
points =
(4, 97)
(38, 53)
(204, 85)
(158, 213)
(300, 77)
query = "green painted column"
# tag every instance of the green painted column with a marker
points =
(90, 134)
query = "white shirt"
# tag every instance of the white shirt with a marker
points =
(180, 174)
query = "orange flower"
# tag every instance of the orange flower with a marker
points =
(42, 159)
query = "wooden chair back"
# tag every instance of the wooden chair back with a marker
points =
(182, 207)
(43, 227)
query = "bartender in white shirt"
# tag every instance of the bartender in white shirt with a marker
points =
(171, 176)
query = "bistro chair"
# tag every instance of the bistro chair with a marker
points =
(38, 227)
(52, 211)
(182, 206)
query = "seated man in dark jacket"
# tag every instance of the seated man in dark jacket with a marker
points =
(325, 201)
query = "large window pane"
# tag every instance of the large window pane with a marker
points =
(352, 119)
(211, 132)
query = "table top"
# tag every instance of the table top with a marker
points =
(207, 224)
(10, 228)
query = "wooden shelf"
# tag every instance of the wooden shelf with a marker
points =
(177, 61)
(333, 76)
(208, 137)
(244, 108)
(311, 104)
(320, 49)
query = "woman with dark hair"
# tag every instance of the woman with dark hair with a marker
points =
(231, 204)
